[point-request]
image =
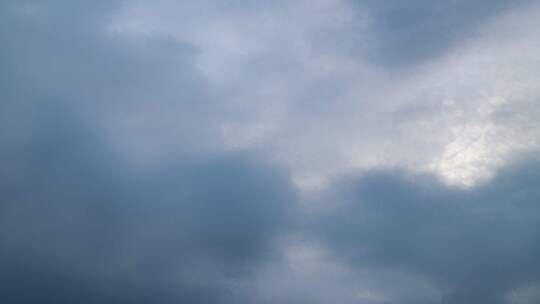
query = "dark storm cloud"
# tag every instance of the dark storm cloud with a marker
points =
(409, 32)
(477, 244)
(79, 222)
(78, 225)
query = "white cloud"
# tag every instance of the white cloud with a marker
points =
(302, 91)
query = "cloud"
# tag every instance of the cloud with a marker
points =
(111, 191)
(474, 246)
(297, 85)
(165, 151)
(406, 33)
(145, 94)
(80, 224)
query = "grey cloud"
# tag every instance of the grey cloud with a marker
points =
(79, 225)
(118, 184)
(475, 245)
(60, 56)
(404, 33)
(80, 221)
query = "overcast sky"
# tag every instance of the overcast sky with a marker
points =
(272, 152)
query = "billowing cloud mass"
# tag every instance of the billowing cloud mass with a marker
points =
(473, 246)
(321, 151)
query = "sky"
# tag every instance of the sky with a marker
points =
(273, 152)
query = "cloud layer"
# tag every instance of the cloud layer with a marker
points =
(269, 151)
(475, 246)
